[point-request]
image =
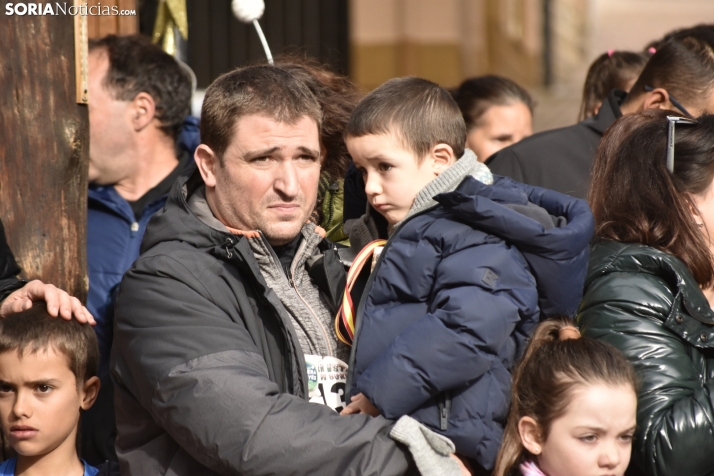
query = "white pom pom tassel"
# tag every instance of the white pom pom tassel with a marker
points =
(249, 11)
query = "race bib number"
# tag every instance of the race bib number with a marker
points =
(326, 377)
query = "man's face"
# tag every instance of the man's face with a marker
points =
(268, 177)
(110, 131)
(39, 401)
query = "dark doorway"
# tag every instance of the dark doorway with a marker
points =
(218, 42)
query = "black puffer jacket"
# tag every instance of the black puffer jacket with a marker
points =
(8, 268)
(646, 303)
(209, 375)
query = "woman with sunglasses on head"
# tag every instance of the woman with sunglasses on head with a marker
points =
(679, 76)
(650, 285)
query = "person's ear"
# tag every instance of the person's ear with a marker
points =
(90, 390)
(207, 162)
(658, 98)
(695, 202)
(142, 111)
(530, 434)
(442, 157)
(597, 107)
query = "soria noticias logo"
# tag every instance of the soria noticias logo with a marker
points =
(62, 8)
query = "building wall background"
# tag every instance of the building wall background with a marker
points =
(445, 40)
(448, 41)
(545, 45)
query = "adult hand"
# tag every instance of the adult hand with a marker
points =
(59, 303)
(360, 404)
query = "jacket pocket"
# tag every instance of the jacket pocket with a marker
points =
(444, 410)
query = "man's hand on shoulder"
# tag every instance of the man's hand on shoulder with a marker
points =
(59, 303)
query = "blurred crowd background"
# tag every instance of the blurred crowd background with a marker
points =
(544, 45)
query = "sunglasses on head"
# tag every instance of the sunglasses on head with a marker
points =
(674, 120)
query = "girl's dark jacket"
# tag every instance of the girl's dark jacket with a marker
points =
(646, 303)
(452, 300)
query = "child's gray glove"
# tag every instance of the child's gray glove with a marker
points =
(432, 452)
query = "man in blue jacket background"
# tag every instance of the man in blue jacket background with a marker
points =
(139, 98)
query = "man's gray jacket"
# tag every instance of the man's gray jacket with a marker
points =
(210, 377)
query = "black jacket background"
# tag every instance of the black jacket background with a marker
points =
(559, 159)
(8, 268)
(646, 303)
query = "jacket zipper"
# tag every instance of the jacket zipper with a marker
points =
(292, 284)
(444, 409)
(285, 361)
(365, 293)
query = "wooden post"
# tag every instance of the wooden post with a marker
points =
(44, 150)
(103, 25)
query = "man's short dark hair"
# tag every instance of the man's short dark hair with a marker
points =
(34, 330)
(263, 90)
(136, 65)
(420, 113)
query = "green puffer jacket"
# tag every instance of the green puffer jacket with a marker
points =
(646, 303)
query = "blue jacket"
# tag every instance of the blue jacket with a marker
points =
(113, 241)
(453, 298)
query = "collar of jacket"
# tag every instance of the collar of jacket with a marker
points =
(447, 181)
(178, 222)
(107, 196)
(691, 316)
(609, 112)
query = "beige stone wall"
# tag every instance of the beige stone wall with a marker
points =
(450, 40)
(392, 38)
(631, 24)
(445, 41)
(515, 40)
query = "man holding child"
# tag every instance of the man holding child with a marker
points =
(215, 319)
(224, 326)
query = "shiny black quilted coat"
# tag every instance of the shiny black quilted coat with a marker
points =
(646, 303)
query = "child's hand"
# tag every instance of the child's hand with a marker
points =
(360, 404)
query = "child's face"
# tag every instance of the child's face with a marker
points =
(392, 174)
(594, 436)
(40, 401)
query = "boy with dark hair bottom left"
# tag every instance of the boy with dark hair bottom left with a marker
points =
(48, 373)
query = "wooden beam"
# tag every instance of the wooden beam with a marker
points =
(44, 150)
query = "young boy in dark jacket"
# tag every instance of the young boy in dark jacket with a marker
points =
(468, 270)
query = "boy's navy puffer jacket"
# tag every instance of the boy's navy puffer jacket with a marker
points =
(453, 298)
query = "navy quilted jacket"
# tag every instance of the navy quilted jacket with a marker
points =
(452, 300)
